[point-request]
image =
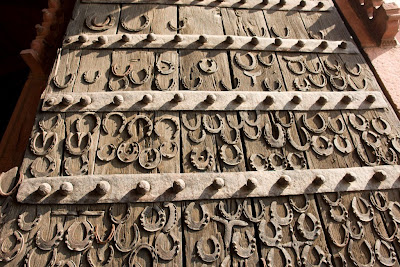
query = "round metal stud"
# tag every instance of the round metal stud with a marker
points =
(85, 100)
(178, 185)
(323, 45)
(51, 101)
(102, 39)
(147, 98)
(296, 99)
(322, 100)
(265, 2)
(66, 188)
(211, 98)
(282, 2)
(284, 181)
(269, 100)
(44, 189)
(151, 37)
(240, 98)
(229, 39)
(83, 38)
(118, 100)
(252, 183)
(370, 99)
(218, 183)
(178, 38)
(300, 43)
(203, 39)
(67, 100)
(126, 38)
(179, 97)
(319, 180)
(320, 5)
(350, 177)
(346, 99)
(278, 41)
(380, 176)
(103, 187)
(68, 40)
(143, 187)
(343, 45)
(302, 3)
(243, 1)
(255, 40)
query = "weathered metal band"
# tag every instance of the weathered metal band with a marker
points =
(197, 100)
(287, 5)
(123, 187)
(215, 42)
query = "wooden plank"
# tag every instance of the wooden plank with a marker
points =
(166, 76)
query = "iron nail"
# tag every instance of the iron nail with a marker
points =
(252, 183)
(278, 41)
(322, 100)
(203, 39)
(151, 37)
(85, 100)
(371, 98)
(323, 44)
(269, 100)
(66, 188)
(44, 189)
(126, 38)
(296, 99)
(83, 38)
(178, 185)
(343, 45)
(218, 183)
(319, 179)
(240, 98)
(320, 5)
(102, 39)
(284, 181)
(300, 43)
(350, 177)
(103, 187)
(147, 98)
(229, 39)
(255, 40)
(118, 100)
(302, 3)
(179, 97)
(380, 176)
(346, 99)
(178, 38)
(143, 187)
(51, 101)
(211, 98)
(67, 100)
(282, 2)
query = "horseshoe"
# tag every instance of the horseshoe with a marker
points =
(318, 69)
(324, 150)
(79, 245)
(24, 226)
(236, 84)
(280, 140)
(171, 85)
(393, 155)
(365, 158)
(253, 61)
(197, 83)
(229, 216)
(300, 147)
(51, 244)
(390, 238)
(45, 137)
(281, 220)
(376, 143)
(208, 65)
(256, 135)
(253, 76)
(331, 203)
(119, 240)
(284, 252)
(270, 241)
(315, 130)
(244, 252)
(28, 260)
(360, 234)
(103, 241)
(385, 130)
(257, 167)
(205, 256)
(144, 25)
(187, 125)
(106, 155)
(149, 163)
(286, 34)
(170, 67)
(336, 68)
(124, 219)
(300, 63)
(269, 63)
(281, 158)
(342, 217)
(345, 239)
(77, 151)
(115, 68)
(277, 85)
(392, 204)
(11, 253)
(101, 258)
(354, 121)
(182, 25)
(167, 118)
(231, 162)
(96, 77)
(371, 261)
(341, 122)
(364, 217)
(228, 227)
(335, 85)
(195, 139)
(249, 215)
(354, 86)
(379, 201)
(387, 261)
(51, 167)
(67, 84)
(128, 151)
(207, 126)
(165, 149)
(132, 258)
(52, 128)
(161, 252)
(320, 35)
(290, 162)
(235, 140)
(347, 149)
(350, 71)
(196, 226)
(279, 120)
(142, 81)
(107, 117)
(300, 209)
(323, 260)
(201, 163)
(319, 85)
(315, 232)
(69, 167)
(395, 142)
(86, 114)
(108, 23)
(124, 87)
(149, 125)
(303, 88)
(159, 224)
(172, 218)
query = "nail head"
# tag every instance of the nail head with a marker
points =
(118, 100)
(284, 181)
(103, 187)
(143, 187)
(178, 185)
(44, 189)
(66, 188)
(218, 183)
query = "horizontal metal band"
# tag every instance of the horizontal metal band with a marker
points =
(284, 5)
(212, 100)
(194, 186)
(215, 42)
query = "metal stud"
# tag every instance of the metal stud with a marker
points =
(296, 99)
(66, 188)
(300, 43)
(282, 2)
(265, 2)
(151, 37)
(178, 97)
(255, 40)
(252, 183)
(143, 187)
(242, 1)
(83, 38)
(319, 180)
(229, 39)
(269, 100)
(320, 5)
(343, 45)
(350, 177)
(323, 45)
(178, 38)
(211, 98)
(103, 187)
(218, 183)
(346, 99)
(278, 41)
(284, 181)
(203, 39)
(147, 98)
(240, 98)
(85, 100)
(102, 39)
(44, 189)
(178, 185)
(118, 100)
(380, 176)
(126, 38)
(67, 100)
(302, 3)
(68, 40)
(322, 100)
(51, 101)
(370, 99)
